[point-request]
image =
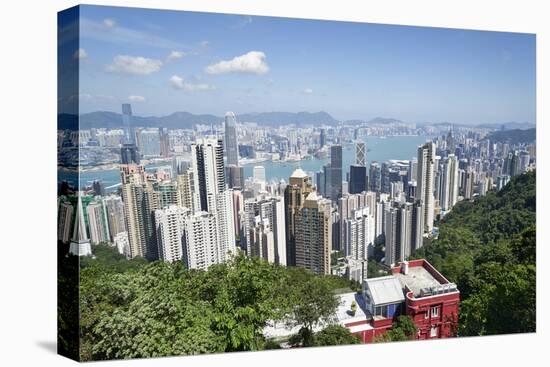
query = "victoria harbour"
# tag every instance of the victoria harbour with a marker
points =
(380, 149)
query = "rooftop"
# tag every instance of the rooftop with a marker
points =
(298, 173)
(343, 316)
(343, 312)
(385, 290)
(416, 279)
(423, 279)
(313, 196)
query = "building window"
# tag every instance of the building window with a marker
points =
(433, 332)
(435, 311)
(426, 314)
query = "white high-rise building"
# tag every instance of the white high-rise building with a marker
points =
(398, 233)
(269, 213)
(114, 210)
(208, 172)
(449, 187)
(358, 241)
(170, 223)
(381, 206)
(80, 243)
(262, 241)
(425, 182)
(65, 221)
(97, 222)
(200, 241)
(226, 225)
(211, 195)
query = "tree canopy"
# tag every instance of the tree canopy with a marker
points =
(162, 309)
(402, 329)
(488, 248)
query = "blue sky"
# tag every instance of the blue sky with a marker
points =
(167, 61)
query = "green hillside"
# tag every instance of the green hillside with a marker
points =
(515, 136)
(488, 247)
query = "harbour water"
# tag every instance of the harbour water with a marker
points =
(379, 149)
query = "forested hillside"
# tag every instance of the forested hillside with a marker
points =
(131, 309)
(488, 247)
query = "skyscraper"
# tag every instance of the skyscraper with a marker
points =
(313, 231)
(375, 177)
(167, 192)
(129, 134)
(398, 233)
(65, 221)
(265, 214)
(417, 226)
(524, 159)
(97, 222)
(361, 154)
(425, 182)
(164, 142)
(225, 225)
(235, 176)
(334, 173)
(449, 187)
(357, 179)
(296, 191)
(231, 148)
(322, 138)
(170, 223)
(200, 241)
(129, 154)
(320, 182)
(211, 195)
(140, 202)
(469, 184)
(358, 241)
(114, 208)
(208, 171)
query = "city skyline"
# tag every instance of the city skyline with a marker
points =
(220, 234)
(426, 75)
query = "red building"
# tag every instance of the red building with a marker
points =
(415, 289)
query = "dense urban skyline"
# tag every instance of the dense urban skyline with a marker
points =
(351, 70)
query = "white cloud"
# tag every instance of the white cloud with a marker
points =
(308, 91)
(109, 23)
(80, 54)
(252, 62)
(136, 65)
(136, 98)
(174, 55)
(178, 82)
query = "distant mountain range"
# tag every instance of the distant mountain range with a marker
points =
(515, 136)
(496, 126)
(183, 120)
(186, 120)
(510, 126)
